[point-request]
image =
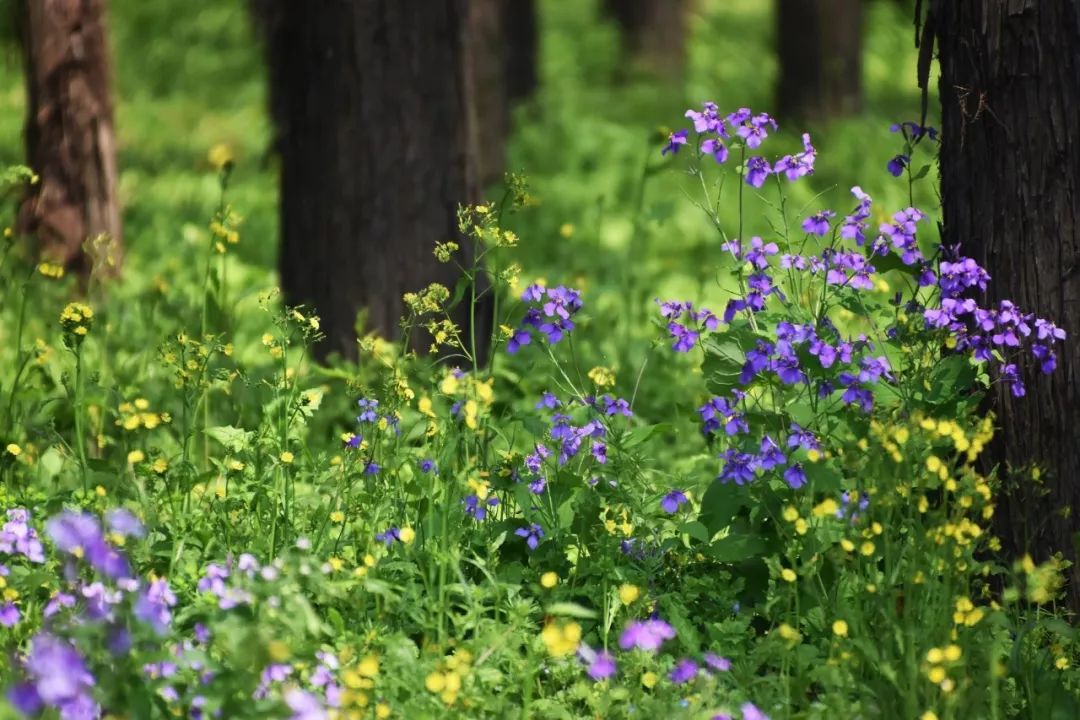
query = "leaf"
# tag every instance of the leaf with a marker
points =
(923, 171)
(737, 548)
(233, 438)
(640, 434)
(720, 504)
(725, 355)
(952, 377)
(569, 609)
(696, 530)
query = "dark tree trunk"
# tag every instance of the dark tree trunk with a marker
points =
(70, 141)
(653, 33)
(487, 53)
(1010, 182)
(522, 48)
(819, 44)
(370, 99)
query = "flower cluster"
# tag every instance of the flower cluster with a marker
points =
(550, 312)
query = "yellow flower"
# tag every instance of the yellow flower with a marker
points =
(933, 463)
(382, 711)
(602, 376)
(826, 508)
(435, 682)
(801, 526)
(337, 517)
(424, 405)
(549, 579)
(287, 457)
(160, 466)
(1061, 663)
(135, 456)
(14, 450)
(847, 545)
(561, 639)
(566, 230)
(407, 535)
(936, 674)
(791, 514)
(788, 575)
(867, 548)
(369, 666)
(929, 715)
(840, 628)
(219, 155)
(628, 593)
(789, 633)
(953, 653)
(934, 656)
(649, 679)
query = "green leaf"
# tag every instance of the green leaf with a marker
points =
(721, 503)
(725, 355)
(737, 548)
(233, 438)
(640, 434)
(569, 609)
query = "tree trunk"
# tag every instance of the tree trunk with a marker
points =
(819, 44)
(1010, 182)
(370, 99)
(487, 53)
(522, 48)
(70, 141)
(653, 33)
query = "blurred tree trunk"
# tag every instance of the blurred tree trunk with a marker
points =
(522, 48)
(371, 105)
(1010, 183)
(70, 141)
(653, 33)
(819, 44)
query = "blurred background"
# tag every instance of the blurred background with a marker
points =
(190, 90)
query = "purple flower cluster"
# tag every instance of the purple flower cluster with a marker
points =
(750, 129)
(1001, 331)
(686, 324)
(56, 676)
(17, 537)
(646, 635)
(550, 312)
(742, 467)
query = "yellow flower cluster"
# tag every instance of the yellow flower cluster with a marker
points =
(137, 414)
(359, 681)
(938, 662)
(602, 376)
(477, 395)
(446, 680)
(432, 299)
(561, 639)
(966, 612)
(76, 319)
(51, 270)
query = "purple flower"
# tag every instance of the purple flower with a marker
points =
(716, 148)
(599, 451)
(548, 400)
(17, 537)
(477, 508)
(367, 413)
(615, 406)
(9, 615)
(598, 665)
(897, 164)
(684, 671)
(532, 533)
(518, 339)
(720, 664)
(818, 224)
(738, 467)
(388, 536)
(750, 711)
(155, 604)
(720, 412)
(1011, 374)
(646, 635)
(372, 468)
(757, 171)
(675, 141)
(304, 705)
(58, 673)
(673, 501)
(427, 465)
(708, 120)
(770, 455)
(800, 164)
(124, 522)
(79, 534)
(795, 476)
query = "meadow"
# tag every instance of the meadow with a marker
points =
(724, 461)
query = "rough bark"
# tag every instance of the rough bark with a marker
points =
(70, 142)
(819, 45)
(653, 33)
(1010, 181)
(370, 99)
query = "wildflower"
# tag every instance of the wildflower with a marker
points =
(477, 507)
(675, 140)
(840, 628)
(649, 679)
(788, 575)
(628, 593)
(897, 164)
(561, 639)
(673, 500)
(14, 450)
(549, 579)
(720, 664)
(154, 605)
(407, 535)
(532, 534)
(287, 457)
(17, 537)
(684, 671)
(646, 635)
(304, 705)
(79, 535)
(757, 171)
(599, 665)
(818, 224)
(795, 476)
(9, 615)
(57, 677)
(750, 711)
(388, 536)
